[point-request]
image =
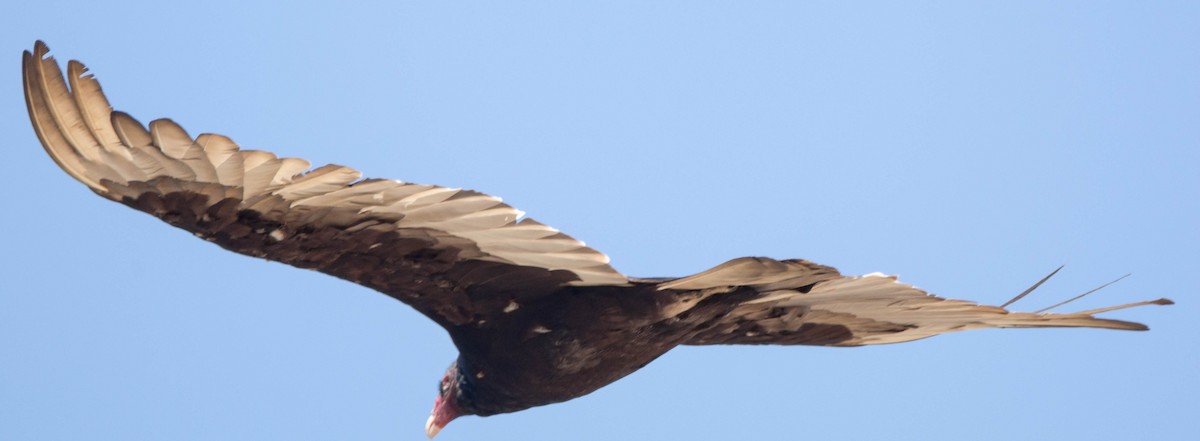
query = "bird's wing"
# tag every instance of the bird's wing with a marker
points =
(795, 302)
(447, 252)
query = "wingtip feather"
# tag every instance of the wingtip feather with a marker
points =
(49, 133)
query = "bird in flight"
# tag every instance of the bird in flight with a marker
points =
(537, 316)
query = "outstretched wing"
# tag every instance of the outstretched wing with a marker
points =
(450, 253)
(801, 303)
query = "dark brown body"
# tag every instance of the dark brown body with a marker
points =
(564, 345)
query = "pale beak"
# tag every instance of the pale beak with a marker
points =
(431, 428)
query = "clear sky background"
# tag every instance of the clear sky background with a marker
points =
(969, 148)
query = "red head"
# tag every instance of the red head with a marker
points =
(445, 408)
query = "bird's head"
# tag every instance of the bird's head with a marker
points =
(448, 405)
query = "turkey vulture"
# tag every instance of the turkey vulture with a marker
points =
(537, 316)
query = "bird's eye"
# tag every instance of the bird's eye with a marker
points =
(444, 387)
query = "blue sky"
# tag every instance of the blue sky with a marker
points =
(969, 148)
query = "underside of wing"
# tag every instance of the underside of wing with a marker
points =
(409, 240)
(801, 303)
